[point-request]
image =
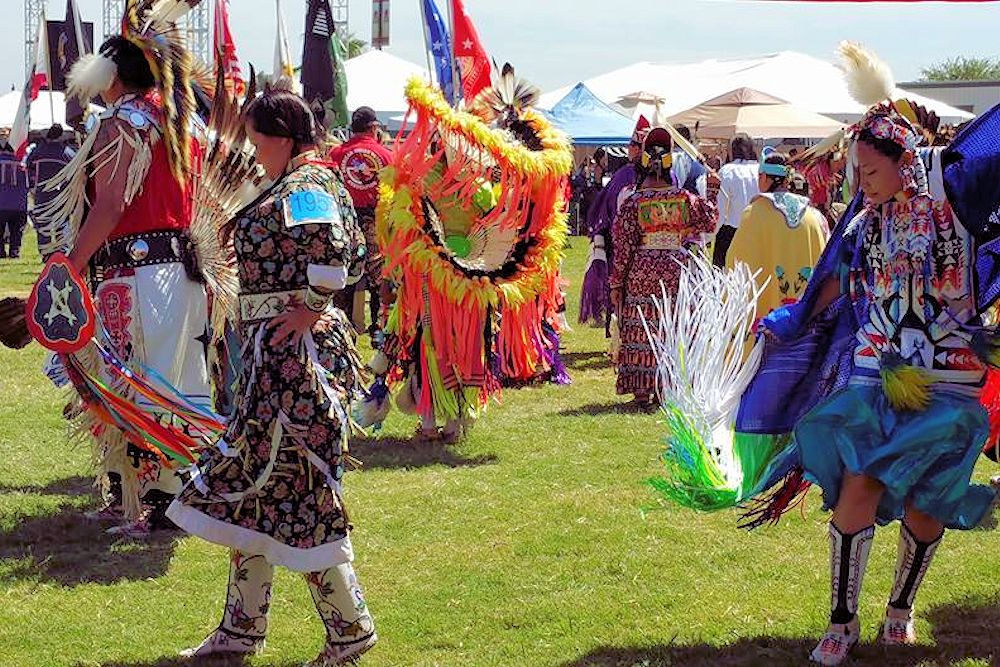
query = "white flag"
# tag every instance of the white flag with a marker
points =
(38, 78)
(283, 66)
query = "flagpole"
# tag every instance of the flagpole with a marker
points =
(48, 71)
(456, 77)
(427, 42)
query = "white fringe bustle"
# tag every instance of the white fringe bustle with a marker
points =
(699, 342)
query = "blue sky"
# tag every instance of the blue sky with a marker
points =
(557, 42)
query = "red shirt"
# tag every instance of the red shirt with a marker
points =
(359, 160)
(163, 203)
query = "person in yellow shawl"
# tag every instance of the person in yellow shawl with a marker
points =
(780, 234)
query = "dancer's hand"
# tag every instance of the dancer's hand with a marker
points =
(292, 325)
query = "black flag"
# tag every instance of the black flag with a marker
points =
(68, 40)
(324, 84)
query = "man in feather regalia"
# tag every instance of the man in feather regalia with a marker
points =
(122, 214)
(471, 219)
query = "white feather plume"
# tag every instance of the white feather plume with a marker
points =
(170, 11)
(869, 79)
(91, 75)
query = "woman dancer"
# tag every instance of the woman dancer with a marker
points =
(780, 235)
(651, 235)
(271, 489)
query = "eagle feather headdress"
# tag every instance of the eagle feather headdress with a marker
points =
(150, 25)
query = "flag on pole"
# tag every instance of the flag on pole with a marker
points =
(380, 24)
(283, 66)
(225, 50)
(38, 78)
(439, 44)
(473, 63)
(68, 40)
(324, 81)
(74, 39)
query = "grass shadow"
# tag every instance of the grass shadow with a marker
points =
(392, 452)
(584, 361)
(211, 661)
(961, 631)
(70, 486)
(67, 549)
(610, 408)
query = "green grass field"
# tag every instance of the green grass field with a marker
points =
(527, 545)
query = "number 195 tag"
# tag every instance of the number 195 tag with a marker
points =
(311, 207)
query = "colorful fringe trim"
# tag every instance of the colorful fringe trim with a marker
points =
(445, 302)
(906, 387)
(700, 476)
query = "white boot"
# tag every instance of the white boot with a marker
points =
(248, 600)
(848, 560)
(911, 565)
(350, 630)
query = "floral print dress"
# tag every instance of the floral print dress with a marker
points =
(271, 486)
(654, 228)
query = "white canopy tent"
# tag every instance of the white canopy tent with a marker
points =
(756, 114)
(802, 80)
(42, 117)
(377, 79)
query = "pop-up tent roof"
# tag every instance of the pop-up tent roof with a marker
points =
(588, 120)
(43, 113)
(378, 79)
(805, 81)
(756, 114)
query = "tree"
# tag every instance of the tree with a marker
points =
(962, 68)
(355, 45)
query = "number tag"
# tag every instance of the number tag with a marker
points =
(311, 207)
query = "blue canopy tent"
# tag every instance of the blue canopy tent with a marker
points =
(589, 121)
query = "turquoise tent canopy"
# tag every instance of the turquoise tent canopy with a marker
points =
(589, 121)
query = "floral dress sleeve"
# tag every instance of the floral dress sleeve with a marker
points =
(320, 217)
(703, 214)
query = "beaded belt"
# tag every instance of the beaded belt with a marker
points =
(145, 249)
(264, 306)
(662, 240)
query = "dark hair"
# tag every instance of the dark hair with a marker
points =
(655, 155)
(281, 113)
(742, 148)
(133, 68)
(599, 154)
(777, 181)
(886, 147)
(684, 132)
(54, 132)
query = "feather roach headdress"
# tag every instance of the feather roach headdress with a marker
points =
(150, 25)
